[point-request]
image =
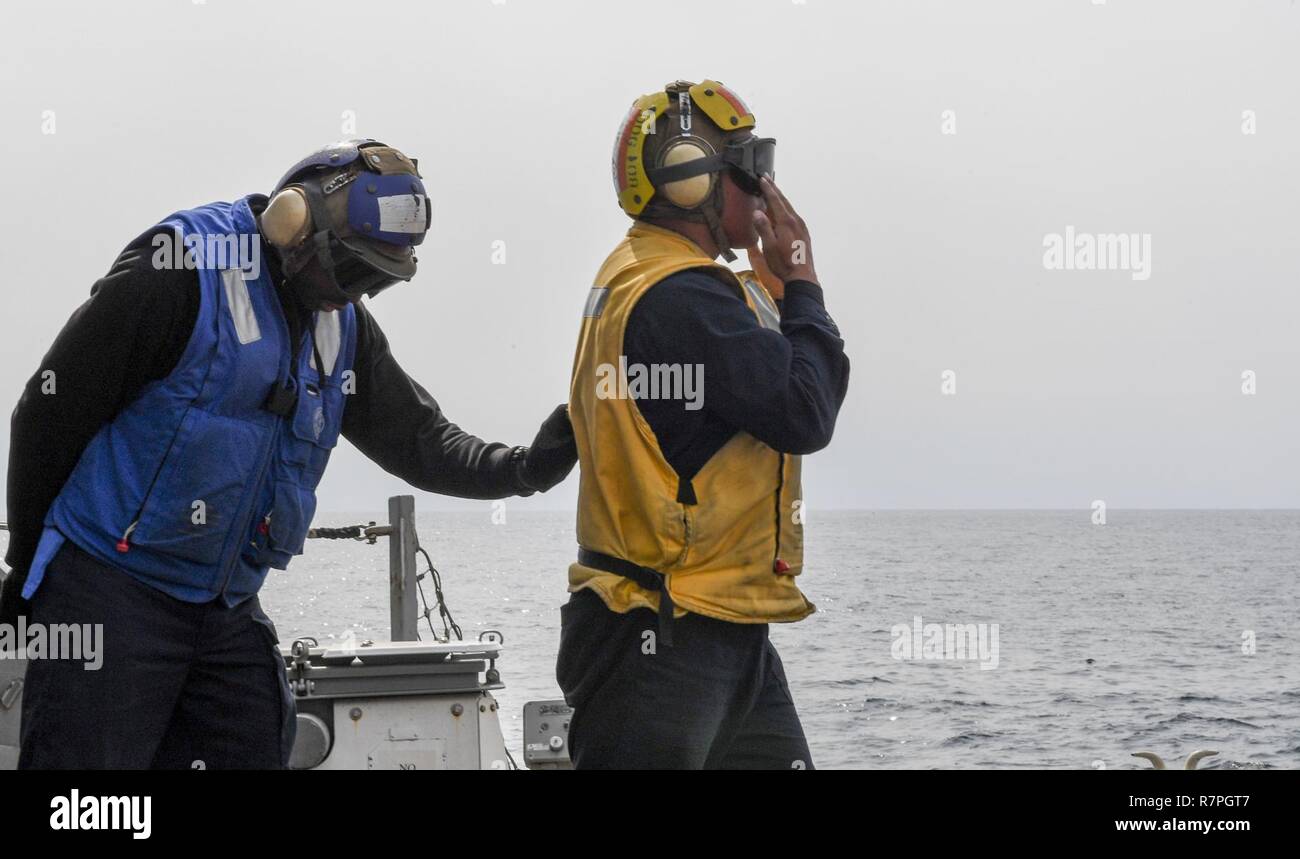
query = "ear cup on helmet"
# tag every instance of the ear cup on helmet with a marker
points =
(686, 193)
(286, 221)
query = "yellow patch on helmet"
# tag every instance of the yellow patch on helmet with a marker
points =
(634, 188)
(721, 105)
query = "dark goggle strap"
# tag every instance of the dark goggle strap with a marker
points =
(755, 158)
(317, 244)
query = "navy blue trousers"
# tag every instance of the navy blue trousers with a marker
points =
(716, 699)
(182, 685)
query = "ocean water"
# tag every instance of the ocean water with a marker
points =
(1133, 635)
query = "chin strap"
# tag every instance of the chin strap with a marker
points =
(713, 218)
(719, 235)
(318, 243)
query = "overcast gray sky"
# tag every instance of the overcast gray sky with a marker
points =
(1122, 117)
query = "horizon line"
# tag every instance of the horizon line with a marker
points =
(933, 510)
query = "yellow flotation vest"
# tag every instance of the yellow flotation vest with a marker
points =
(729, 544)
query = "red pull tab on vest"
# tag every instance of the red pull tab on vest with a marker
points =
(263, 528)
(780, 566)
(123, 545)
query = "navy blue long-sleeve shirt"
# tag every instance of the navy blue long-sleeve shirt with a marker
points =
(783, 387)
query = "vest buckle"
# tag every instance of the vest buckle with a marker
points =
(282, 400)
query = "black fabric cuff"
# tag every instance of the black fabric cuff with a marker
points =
(519, 472)
(805, 289)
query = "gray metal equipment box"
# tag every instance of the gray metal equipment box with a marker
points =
(396, 705)
(546, 735)
(12, 669)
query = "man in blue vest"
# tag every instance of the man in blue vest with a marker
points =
(167, 453)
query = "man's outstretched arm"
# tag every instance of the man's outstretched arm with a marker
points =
(394, 421)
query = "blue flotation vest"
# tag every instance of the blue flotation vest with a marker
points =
(205, 481)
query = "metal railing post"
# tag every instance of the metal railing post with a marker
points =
(401, 568)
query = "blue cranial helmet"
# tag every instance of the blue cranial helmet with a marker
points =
(357, 205)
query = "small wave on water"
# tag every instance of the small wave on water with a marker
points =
(1204, 699)
(1240, 765)
(1193, 718)
(970, 738)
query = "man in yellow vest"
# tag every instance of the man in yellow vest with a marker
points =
(689, 508)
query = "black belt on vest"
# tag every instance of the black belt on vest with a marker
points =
(651, 580)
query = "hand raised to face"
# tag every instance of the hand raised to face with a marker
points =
(787, 246)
